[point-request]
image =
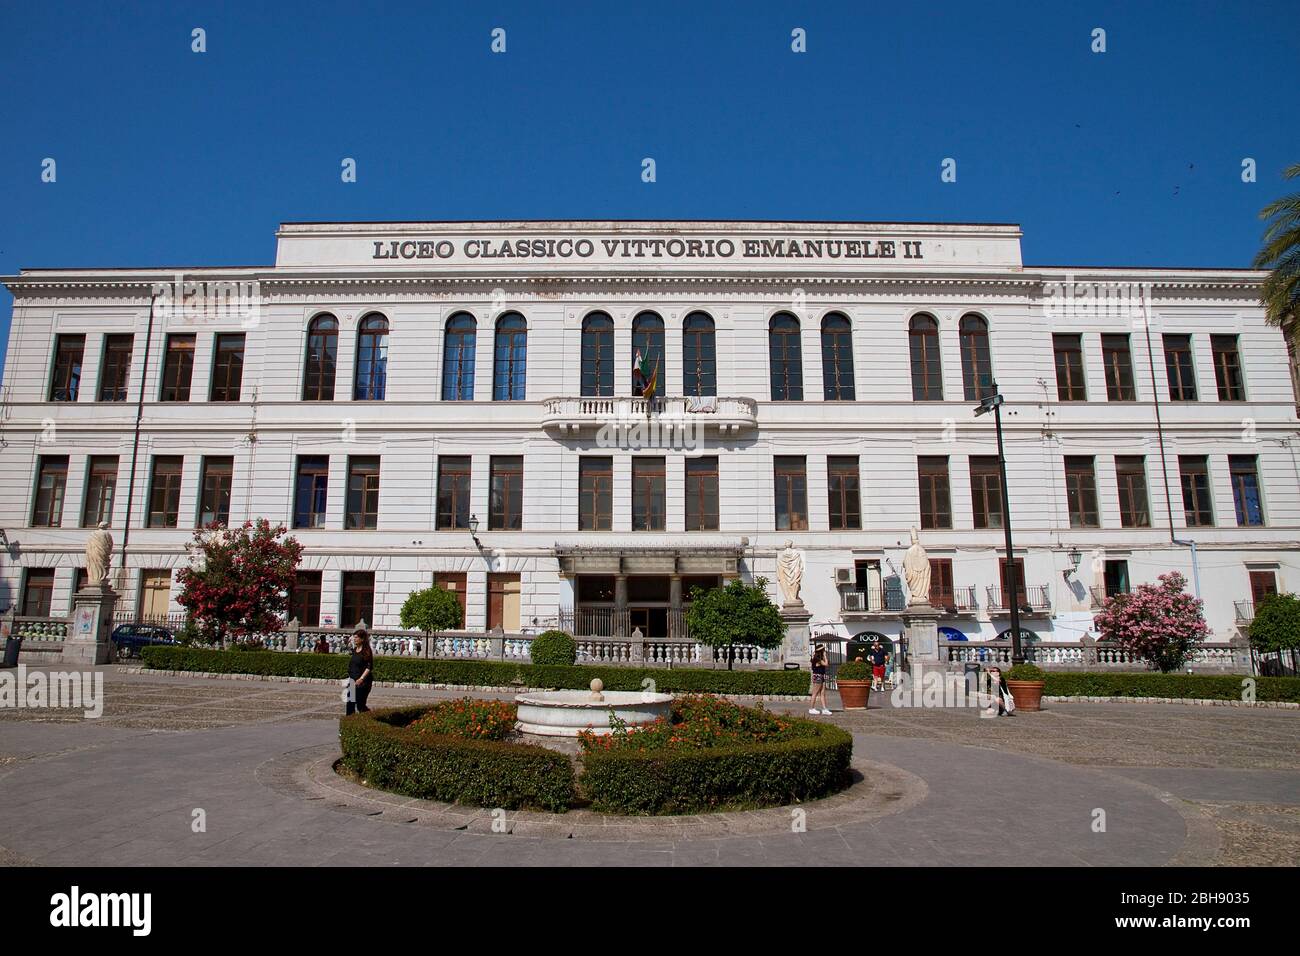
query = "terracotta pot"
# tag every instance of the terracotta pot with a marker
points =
(1026, 693)
(854, 693)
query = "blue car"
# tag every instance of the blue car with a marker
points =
(129, 638)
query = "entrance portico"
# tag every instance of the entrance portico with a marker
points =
(617, 590)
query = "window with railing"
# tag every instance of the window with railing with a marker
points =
(785, 357)
(65, 382)
(649, 369)
(699, 359)
(927, 374)
(837, 358)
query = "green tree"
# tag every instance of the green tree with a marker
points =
(1276, 625)
(740, 613)
(1280, 293)
(433, 609)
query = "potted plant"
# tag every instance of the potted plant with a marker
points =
(1025, 681)
(854, 682)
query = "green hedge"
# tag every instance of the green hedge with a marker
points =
(718, 778)
(418, 670)
(1197, 686)
(380, 748)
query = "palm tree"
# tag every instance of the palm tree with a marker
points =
(1280, 293)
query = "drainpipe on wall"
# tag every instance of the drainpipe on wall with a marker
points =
(135, 438)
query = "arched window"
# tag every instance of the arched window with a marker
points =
(699, 361)
(458, 358)
(837, 358)
(372, 359)
(927, 378)
(976, 367)
(598, 355)
(322, 351)
(785, 358)
(510, 358)
(649, 368)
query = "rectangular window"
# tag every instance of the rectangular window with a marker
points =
(165, 491)
(38, 592)
(1244, 470)
(986, 491)
(115, 367)
(1116, 577)
(66, 380)
(1081, 492)
(358, 598)
(702, 494)
(1131, 475)
(453, 492)
(1180, 368)
(79, 581)
(178, 368)
(503, 602)
(311, 492)
(844, 490)
(1262, 584)
(457, 582)
(363, 493)
(214, 493)
(936, 505)
(1068, 349)
(506, 507)
(942, 593)
(304, 598)
(101, 488)
(1227, 368)
(1117, 356)
(595, 494)
(791, 493)
(227, 368)
(648, 494)
(1194, 473)
(51, 485)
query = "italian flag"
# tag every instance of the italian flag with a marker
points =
(649, 376)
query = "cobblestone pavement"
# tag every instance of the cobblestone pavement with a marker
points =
(1179, 784)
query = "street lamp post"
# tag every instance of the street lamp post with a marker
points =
(994, 404)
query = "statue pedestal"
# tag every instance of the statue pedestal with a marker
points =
(795, 649)
(91, 627)
(921, 625)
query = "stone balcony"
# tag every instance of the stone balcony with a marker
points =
(572, 414)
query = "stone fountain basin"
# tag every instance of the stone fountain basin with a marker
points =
(566, 713)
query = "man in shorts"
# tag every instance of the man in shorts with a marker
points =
(879, 658)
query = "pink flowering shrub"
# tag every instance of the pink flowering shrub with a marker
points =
(1161, 623)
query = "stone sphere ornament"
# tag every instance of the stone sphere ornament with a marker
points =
(597, 685)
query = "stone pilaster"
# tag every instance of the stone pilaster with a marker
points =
(88, 641)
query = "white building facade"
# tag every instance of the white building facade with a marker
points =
(461, 403)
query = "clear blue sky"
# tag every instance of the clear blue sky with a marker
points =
(168, 157)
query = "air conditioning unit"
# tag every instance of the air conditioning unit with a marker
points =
(843, 576)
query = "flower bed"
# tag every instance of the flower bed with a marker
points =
(396, 750)
(713, 755)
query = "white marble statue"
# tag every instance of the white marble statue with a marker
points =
(916, 569)
(99, 555)
(789, 573)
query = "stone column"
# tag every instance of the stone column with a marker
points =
(620, 604)
(90, 627)
(921, 625)
(795, 648)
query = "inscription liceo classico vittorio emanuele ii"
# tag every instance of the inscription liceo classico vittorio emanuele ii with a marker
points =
(583, 248)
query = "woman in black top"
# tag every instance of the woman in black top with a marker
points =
(361, 670)
(819, 668)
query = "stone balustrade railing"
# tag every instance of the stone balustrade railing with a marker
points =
(1089, 654)
(724, 413)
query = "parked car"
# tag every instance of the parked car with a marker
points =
(129, 638)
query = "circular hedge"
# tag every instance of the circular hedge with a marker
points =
(386, 751)
(447, 752)
(554, 647)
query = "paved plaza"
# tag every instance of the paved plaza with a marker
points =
(1173, 784)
